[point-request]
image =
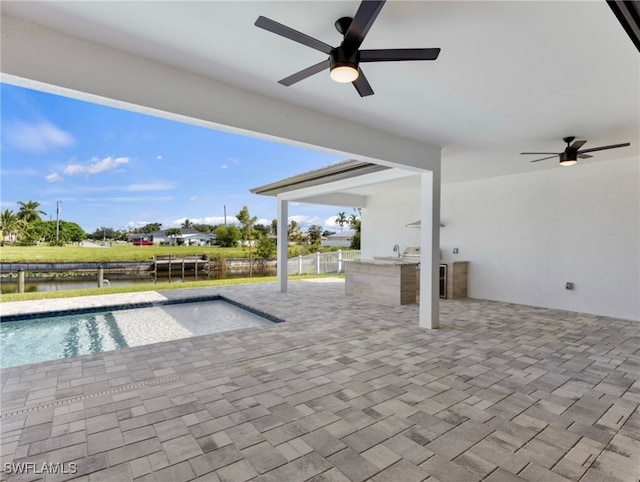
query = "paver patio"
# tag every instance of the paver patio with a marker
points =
(346, 389)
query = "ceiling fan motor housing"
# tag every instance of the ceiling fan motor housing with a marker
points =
(340, 58)
(569, 157)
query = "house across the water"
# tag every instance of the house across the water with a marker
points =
(187, 236)
(341, 239)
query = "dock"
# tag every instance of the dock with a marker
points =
(172, 263)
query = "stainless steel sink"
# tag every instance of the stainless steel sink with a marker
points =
(387, 258)
(396, 260)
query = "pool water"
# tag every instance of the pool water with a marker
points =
(68, 335)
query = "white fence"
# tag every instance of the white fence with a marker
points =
(321, 263)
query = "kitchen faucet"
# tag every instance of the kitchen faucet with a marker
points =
(396, 249)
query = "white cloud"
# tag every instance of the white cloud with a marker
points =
(138, 224)
(178, 222)
(54, 177)
(330, 222)
(38, 138)
(230, 160)
(96, 166)
(305, 221)
(159, 157)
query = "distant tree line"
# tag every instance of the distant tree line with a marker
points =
(26, 227)
(226, 235)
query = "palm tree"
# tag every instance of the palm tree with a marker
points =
(356, 224)
(341, 220)
(29, 211)
(292, 229)
(173, 233)
(353, 221)
(8, 225)
(187, 224)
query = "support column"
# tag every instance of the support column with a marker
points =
(283, 258)
(100, 276)
(430, 250)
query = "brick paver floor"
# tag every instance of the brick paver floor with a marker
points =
(345, 389)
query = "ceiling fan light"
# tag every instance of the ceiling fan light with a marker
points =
(568, 159)
(344, 73)
(343, 67)
(568, 162)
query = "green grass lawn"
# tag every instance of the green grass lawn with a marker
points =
(134, 288)
(41, 295)
(115, 252)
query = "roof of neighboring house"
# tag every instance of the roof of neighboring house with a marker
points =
(343, 234)
(333, 172)
(184, 232)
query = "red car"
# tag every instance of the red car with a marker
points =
(142, 242)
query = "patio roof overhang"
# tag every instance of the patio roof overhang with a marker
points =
(333, 172)
(351, 183)
(346, 183)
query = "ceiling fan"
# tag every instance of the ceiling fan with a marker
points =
(343, 62)
(572, 152)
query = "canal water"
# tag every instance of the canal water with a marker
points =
(84, 282)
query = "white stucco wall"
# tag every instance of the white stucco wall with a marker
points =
(527, 235)
(384, 222)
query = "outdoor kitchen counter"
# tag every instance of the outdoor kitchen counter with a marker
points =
(384, 280)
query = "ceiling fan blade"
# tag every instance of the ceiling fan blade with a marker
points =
(362, 85)
(303, 74)
(393, 55)
(602, 148)
(544, 158)
(554, 153)
(584, 156)
(287, 32)
(578, 144)
(361, 23)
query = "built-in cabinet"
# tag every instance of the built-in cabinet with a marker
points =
(398, 282)
(454, 283)
(386, 282)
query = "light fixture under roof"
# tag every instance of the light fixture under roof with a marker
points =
(343, 68)
(568, 158)
(344, 74)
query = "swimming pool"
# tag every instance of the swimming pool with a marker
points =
(25, 339)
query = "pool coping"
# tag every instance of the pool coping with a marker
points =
(135, 305)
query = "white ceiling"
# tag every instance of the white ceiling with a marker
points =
(511, 76)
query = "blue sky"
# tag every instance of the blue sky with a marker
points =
(121, 169)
